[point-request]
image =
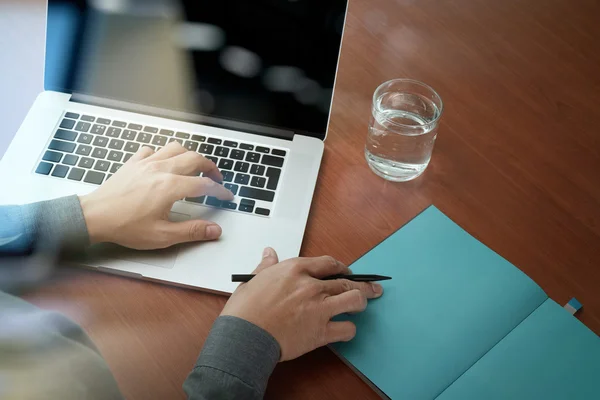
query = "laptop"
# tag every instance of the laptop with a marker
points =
(248, 85)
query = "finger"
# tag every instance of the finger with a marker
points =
(143, 152)
(342, 331)
(353, 301)
(191, 163)
(195, 186)
(189, 231)
(269, 259)
(320, 267)
(170, 150)
(339, 286)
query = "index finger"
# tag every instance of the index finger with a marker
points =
(321, 267)
(195, 186)
(190, 163)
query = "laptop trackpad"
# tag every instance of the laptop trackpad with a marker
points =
(164, 258)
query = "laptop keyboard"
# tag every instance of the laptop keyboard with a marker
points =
(90, 149)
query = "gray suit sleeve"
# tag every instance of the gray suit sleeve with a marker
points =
(236, 362)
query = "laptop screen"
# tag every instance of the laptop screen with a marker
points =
(270, 63)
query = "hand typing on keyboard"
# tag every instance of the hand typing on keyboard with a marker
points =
(131, 208)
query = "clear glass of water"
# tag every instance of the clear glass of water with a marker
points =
(403, 128)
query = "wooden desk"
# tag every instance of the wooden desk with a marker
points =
(517, 163)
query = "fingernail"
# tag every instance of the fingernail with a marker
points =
(377, 288)
(267, 252)
(213, 231)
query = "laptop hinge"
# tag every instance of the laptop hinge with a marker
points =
(183, 116)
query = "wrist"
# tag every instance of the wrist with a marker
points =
(94, 219)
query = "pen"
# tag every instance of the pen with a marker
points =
(353, 277)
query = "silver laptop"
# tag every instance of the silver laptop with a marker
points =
(248, 84)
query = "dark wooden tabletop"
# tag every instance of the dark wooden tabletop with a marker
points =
(516, 163)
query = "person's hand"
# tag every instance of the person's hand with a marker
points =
(132, 208)
(289, 301)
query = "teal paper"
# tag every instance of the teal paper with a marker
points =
(451, 299)
(550, 356)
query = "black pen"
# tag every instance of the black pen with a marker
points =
(353, 277)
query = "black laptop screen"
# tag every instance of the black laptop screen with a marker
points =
(265, 62)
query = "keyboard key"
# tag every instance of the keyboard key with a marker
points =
(100, 141)
(85, 138)
(76, 174)
(98, 129)
(206, 148)
(227, 176)
(273, 174)
(257, 169)
(211, 158)
(115, 167)
(237, 154)
(241, 166)
(198, 200)
(132, 147)
(83, 150)
(159, 140)
(246, 146)
(67, 124)
(127, 157)
(70, 159)
(119, 124)
(277, 152)
(66, 147)
(258, 194)
(191, 146)
(129, 134)
(103, 121)
(60, 171)
(272, 161)
(115, 156)
(108, 176)
(72, 115)
(258, 182)
(263, 211)
(116, 144)
(232, 188)
(86, 162)
(88, 118)
(198, 138)
(230, 143)
(94, 177)
(182, 135)
(222, 152)
(214, 140)
(242, 179)
(44, 168)
(150, 129)
(52, 156)
(102, 165)
(144, 137)
(228, 205)
(246, 205)
(166, 132)
(252, 157)
(99, 152)
(135, 127)
(225, 164)
(213, 201)
(180, 141)
(65, 135)
(83, 126)
(113, 132)
(262, 149)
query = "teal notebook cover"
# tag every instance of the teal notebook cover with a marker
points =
(451, 301)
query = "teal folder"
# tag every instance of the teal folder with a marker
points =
(458, 321)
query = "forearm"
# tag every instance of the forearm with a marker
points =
(55, 225)
(236, 362)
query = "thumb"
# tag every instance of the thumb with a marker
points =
(269, 259)
(191, 231)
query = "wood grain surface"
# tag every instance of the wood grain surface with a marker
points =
(516, 163)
